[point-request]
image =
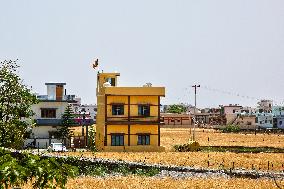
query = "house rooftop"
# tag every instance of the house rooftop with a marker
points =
(109, 74)
(135, 91)
(55, 83)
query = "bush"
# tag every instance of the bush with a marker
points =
(231, 129)
(19, 168)
(190, 147)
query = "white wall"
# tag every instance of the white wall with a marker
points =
(60, 108)
(51, 92)
(230, 109)
(42, 131)
(265, 117)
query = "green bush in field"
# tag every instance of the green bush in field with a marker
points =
(231, 129)
(192, 146)
(17, 169)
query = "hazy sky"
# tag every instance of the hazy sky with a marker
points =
(235, 46)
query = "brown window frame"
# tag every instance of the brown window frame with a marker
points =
(48, 112)
(144, 139)
(144, 110)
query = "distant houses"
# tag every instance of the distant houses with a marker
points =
(264, 116)
(278, 112)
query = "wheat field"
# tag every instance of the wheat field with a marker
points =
(215, 160)
(134, 182)
(170, 137)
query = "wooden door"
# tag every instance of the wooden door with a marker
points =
(59, 92)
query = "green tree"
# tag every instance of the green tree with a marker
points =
(67, 122)
(92, 139)
(176, 108)
(16, 100)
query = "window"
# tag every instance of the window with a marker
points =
(117, 140)
(143, 139)
(118, 109)
(111, 81)
(48, 113)
(144, 110)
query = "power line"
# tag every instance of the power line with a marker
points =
(238, 94)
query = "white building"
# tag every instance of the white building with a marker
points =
(89, 109)
(265, 106)
(48, 114)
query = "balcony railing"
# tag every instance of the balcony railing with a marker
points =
(57, 122)
(153, 119)
(64, 98)
(48, 122)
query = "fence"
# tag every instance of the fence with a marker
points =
(43, 142)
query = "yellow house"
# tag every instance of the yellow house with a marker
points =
(128, 118)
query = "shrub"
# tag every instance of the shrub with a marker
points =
(231, 129)
(190, 147)
(19, 168)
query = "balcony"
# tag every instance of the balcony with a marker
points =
(48, 122)
(53, 98)
(57, 122)
(134, 120)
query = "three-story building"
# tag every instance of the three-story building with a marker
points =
(128, 118)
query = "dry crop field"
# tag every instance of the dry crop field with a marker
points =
(153, 182)
(170, 137)
(216, 160)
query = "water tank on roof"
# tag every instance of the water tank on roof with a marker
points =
(107, 84)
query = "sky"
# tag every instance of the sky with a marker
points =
(233, 49)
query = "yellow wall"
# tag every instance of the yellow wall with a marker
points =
(152, 100)
(117, 100)
(153, 129)
(134, 130)
(142, 91)
(117, 129)
(144, 100)
(153, 140)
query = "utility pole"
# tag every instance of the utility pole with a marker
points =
(195, 89)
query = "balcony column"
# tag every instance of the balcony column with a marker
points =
(105, 137)
(159, 118)
(128, 120)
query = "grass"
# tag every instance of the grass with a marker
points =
(135, 182)
(241, 149)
